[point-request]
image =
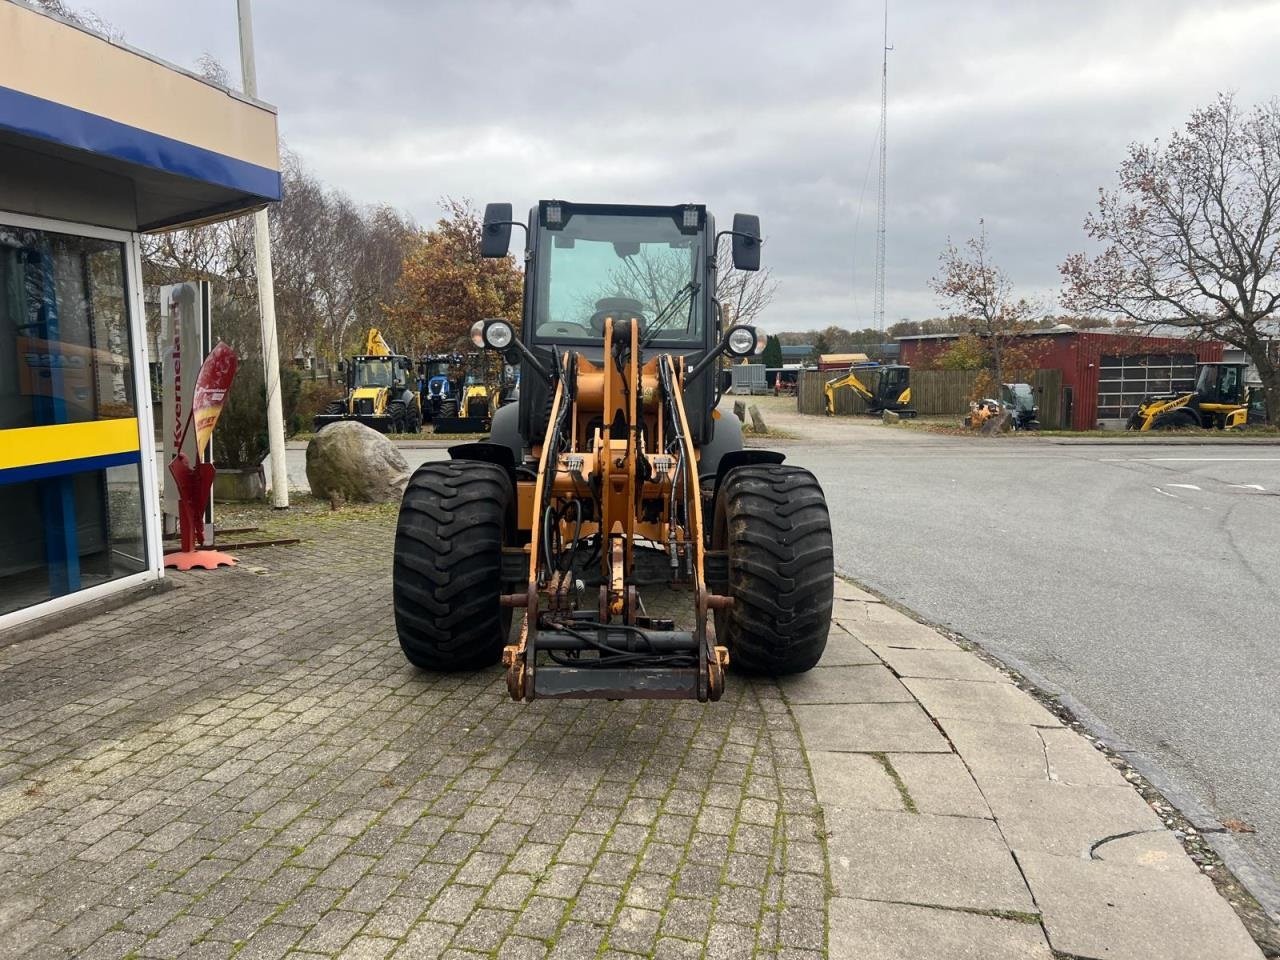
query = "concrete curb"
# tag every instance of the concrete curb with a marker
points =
(959, 811)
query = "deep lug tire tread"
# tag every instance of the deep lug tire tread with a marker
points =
(446, 578)
(773, 520)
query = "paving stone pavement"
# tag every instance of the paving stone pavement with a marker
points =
(246, 766)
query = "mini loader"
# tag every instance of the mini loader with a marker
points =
(1217, 400)
(614, 474)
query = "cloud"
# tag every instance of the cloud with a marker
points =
(1015, 113)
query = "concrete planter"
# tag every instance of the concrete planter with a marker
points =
(232, 484)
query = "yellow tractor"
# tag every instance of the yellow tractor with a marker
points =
(461, 392)
(1218, 400)
(892, 388)
(611, 505)
(379, 391)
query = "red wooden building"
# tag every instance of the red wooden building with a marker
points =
(1105, 374)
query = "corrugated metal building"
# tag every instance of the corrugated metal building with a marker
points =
(1105, 374)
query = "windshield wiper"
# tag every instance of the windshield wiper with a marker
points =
(689, 290)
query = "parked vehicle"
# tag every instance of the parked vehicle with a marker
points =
(892, 389)
(378, 392)
(613, 473)
(1217, 401)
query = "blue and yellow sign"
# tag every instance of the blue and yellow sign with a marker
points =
(58, 450)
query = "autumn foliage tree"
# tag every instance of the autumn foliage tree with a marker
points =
(1191, 237)
(446, 286)
(979, 299)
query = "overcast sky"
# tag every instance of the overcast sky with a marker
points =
(1012, 112)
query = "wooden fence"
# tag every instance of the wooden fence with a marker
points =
(933, 393)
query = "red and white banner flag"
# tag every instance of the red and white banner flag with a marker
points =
(212, 384)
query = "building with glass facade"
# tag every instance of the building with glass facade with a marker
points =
(98, 144)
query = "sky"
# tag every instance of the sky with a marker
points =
(1011, 113)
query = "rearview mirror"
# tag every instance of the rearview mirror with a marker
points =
(746, 241)
(495, 235)
(342, 366)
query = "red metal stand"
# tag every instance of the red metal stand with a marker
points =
(195, 483)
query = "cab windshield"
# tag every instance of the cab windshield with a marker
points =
(1021, 397)
(373, 373)
(601, 266)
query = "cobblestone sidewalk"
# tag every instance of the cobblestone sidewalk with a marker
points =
(279, 782)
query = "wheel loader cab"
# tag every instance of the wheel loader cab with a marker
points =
(588, 264)
(602, 492)
(1220, 383)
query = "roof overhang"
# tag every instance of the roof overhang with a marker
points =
(188, 149)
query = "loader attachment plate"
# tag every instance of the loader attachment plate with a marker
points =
(612, 661)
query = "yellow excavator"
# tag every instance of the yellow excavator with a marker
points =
(892, 389)
(1218, 400)
(379, 390)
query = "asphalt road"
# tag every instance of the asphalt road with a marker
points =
(1143, 580)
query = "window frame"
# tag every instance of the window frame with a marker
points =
(139, 358)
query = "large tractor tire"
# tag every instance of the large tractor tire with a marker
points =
(773, 521)
(447, 575)
(1179, 419)
(336, 407)
(399, 415)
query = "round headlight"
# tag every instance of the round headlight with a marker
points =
(499, 335)
(477, 334)
(742, 341)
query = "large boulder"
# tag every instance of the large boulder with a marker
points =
(356, 463)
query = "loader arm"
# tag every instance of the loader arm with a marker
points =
(599, 482)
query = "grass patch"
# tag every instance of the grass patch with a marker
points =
(773, 433)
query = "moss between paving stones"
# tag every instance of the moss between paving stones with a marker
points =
(307, 758)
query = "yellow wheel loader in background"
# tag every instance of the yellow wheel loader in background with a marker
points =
(892, 388)
(611, 504)
(1218, 400)
(469, 398)
(379, 391)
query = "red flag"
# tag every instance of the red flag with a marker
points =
(212, 384)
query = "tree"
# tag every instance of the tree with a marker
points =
(743, 294)
(335, 264)
(772, 356)
(446, 286)
(980, 296)
(821, 345)
(1192, 236)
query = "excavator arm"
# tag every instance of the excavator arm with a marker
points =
(849, 380)
(376, 345)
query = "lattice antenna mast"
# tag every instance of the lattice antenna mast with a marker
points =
(878, 309)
